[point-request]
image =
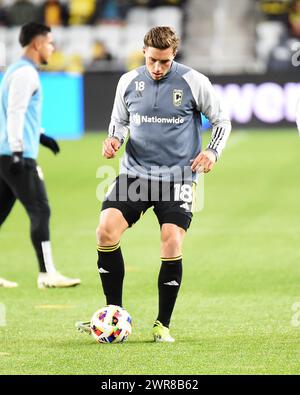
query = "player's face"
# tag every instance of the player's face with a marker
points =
(158, 61)
(45, 47)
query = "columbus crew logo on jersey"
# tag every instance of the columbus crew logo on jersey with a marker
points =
(177, 97)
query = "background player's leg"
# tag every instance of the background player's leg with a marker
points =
(7, 200)
(32, 194)
(110, 260)
(28, 187)
(35, 201)
(170, 274)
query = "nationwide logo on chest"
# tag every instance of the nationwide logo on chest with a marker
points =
(177, 97)
(137, 119)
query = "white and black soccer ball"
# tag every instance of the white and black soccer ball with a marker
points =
(111, 324)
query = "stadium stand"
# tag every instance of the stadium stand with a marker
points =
(53, 13)
(277, 34)
(79, 25)
(220, 36)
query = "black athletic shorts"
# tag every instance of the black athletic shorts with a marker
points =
(172, 202)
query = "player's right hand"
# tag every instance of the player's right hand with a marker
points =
(110, 147)
(17, 163)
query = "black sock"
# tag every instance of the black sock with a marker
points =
(40, 258)
(39, 233)
(169, 281)
(111, 270)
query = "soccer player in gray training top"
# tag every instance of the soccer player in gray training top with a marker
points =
(160, 105)
(20, 135)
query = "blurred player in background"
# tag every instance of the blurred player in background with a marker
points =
(160, 104)
(20, 135)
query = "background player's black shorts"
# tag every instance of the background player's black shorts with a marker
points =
(172, 202)
(28, 187)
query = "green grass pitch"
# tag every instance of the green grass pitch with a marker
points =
(234, 314)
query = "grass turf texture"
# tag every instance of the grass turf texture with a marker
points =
(241, 271)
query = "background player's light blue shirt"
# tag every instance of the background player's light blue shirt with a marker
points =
(29, 119)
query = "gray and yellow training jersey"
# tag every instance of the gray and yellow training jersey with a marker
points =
(164, 122)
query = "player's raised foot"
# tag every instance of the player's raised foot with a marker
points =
(7, 284)
(83, 327)
(56, 280)
(161, 334)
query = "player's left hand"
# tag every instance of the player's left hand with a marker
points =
(204, 161)
(50, 143)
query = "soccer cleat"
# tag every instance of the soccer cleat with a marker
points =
(161, 334)
(7, 284)
(83, 327)
(56, 280)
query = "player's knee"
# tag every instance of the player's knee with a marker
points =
(171, 244)
(107, 235)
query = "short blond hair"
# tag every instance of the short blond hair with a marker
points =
(162, 37)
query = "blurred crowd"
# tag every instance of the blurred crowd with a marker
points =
(89, 34)
(74, 12)
(107, 34)
(278, 33)
(287, 12)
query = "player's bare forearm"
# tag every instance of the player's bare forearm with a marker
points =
(110, 147)
(205, 161)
